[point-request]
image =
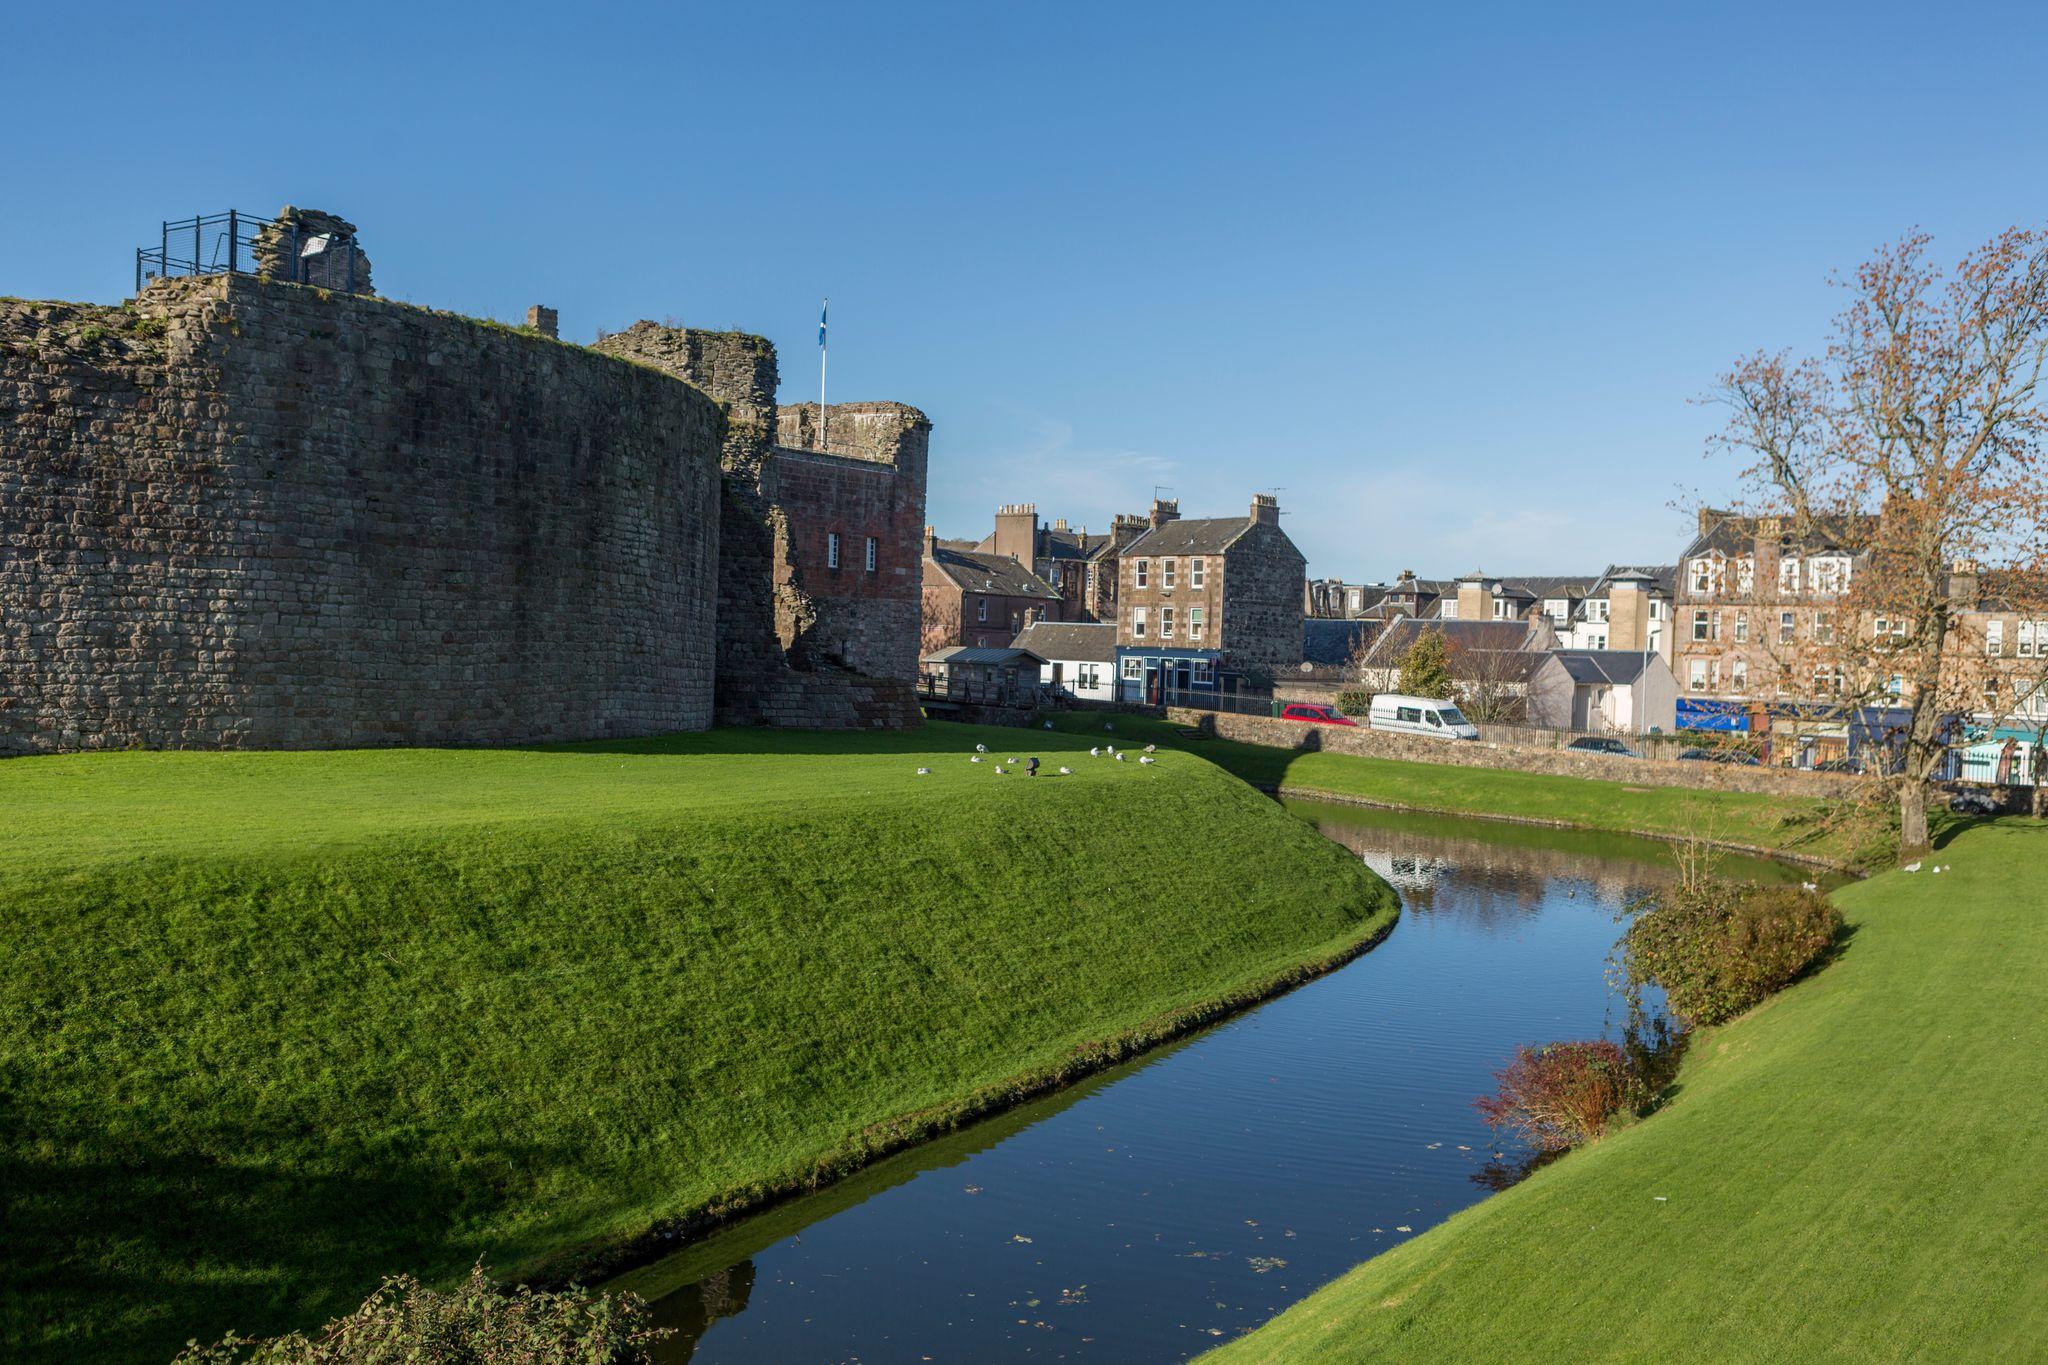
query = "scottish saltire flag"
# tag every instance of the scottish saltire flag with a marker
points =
(821, 322)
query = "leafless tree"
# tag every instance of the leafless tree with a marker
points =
(1915, 442)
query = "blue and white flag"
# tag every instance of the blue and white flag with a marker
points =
(821, 323)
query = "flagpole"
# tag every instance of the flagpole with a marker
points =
(824, 418)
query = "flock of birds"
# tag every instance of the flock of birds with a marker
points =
(980, 754)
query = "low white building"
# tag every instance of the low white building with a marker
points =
(1604, 691)
(1080, 657)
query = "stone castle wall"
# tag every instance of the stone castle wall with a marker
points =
(245, 514)
(800, 643)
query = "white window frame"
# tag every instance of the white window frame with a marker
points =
(1788, 575)
(1696, 675)
(1501, 607)
(1788, 627)
(1141, 572)
(2025, 648)
(1203, 674)
(1168, 573)
(1738, 675)
(1745, 574)
(831, 549)
(1166, 623)
(1195, 623)
(874, 553)
(1137, 623)
(1196, 570)
(1741, 627)
(1134, 668)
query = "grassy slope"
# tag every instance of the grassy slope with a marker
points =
(274, 1024)
(1773, 823)
(1858, 1169)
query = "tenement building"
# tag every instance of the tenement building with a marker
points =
(1208, 604)
(238, 512)
(979, 597)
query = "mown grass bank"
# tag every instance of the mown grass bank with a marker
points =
(272, 1025)
(1832, 832)
(1856, 1170)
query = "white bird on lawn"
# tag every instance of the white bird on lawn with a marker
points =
(1911, 867)
(1809, 886)
(1065, 771)
(1937, 869)
(924, 772)
(1119, 758)
(1095, 751)
(981, 748)
(1001, 771)
(974, 758)
(1151, 748)
(1015, 761)
(1148, 759)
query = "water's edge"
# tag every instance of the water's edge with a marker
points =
(589, 1263)
(1288, 791)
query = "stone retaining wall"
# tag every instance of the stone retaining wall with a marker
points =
(1644, 772)
(246, 514)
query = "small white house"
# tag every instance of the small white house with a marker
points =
(1604, 691)
(1080, 657)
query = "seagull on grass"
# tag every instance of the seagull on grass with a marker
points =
(981, 748)
(1095, 751)
(974, 758)
(1147, 758)
(924, 772)
(1151, 748)
(1065, 772)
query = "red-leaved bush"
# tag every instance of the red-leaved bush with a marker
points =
(1560, 1094)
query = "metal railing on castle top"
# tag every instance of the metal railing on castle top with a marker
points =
(225, 244)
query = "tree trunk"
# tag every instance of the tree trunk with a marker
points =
(1912, 819)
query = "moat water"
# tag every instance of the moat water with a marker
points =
(1173, 1203)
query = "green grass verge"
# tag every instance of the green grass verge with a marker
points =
(1806, 827)
(272, 1025)
(1856, 1170)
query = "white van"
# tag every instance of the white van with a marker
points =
(1420, 716)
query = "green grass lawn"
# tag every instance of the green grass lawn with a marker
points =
(272, 1025)
(1856, 1170)
(1805, 826)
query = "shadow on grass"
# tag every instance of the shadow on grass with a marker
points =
(190, 1245)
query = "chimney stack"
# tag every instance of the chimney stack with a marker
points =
(931, 541)
(1164, 510)
(1265, 509)
(544, 320)
(1017, 531)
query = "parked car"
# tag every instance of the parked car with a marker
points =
(1969, 802)
(1600, 744)
(1735, 756)
(1838, 765)
(1420, 716)
(1310, 713)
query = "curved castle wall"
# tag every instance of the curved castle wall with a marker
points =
(243, 514)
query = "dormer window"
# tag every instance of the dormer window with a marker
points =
(1788, 575)
(1708, 572)
(1745, 574)
(1829, 573)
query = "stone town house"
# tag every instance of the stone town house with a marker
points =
(1208, 603)
(1079, 565)
(1765, 628)
(981, 599)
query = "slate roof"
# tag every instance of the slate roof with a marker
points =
(974, 571)
(1331, 640)
(1082, 641)
(982, 654)
(1620, 666)
(1401, 635)
(1733, 534)
(1191, 536)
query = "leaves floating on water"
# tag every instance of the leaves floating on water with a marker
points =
(1261, 1264)
(1020, 1237)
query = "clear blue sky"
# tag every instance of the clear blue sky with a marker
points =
(1446, 275)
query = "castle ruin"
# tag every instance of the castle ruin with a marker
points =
(238, 513)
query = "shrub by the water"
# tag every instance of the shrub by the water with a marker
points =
(1354, 702)
(1560, 1094)
(476, 1323)
(1717, 948)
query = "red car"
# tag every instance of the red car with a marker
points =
(1311, 714)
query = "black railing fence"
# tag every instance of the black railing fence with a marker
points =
(227, 244)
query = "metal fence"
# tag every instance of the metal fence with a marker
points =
(225, 244)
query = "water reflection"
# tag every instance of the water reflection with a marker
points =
(1187, 1197)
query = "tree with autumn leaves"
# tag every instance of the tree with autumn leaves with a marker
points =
(1916, 438)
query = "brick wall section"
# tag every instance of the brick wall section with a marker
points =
(791, 650)
(246, 514)
(1639, 772)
